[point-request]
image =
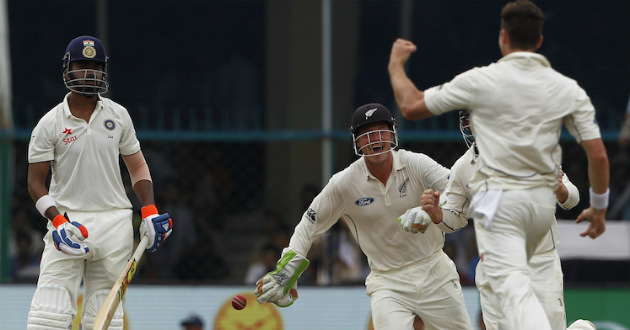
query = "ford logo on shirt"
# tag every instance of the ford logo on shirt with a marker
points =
(364, 201)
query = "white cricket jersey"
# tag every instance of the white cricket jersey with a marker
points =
(517, 106)
(459, 195)
(371, 210)
(85, 157)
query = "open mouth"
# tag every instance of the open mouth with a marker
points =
(377, 149)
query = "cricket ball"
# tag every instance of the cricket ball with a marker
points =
(239, 302)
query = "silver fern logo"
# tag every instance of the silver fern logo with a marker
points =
(402, 189)
(369, 113)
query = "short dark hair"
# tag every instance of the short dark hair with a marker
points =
(523, 21)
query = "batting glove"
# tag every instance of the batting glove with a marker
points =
(415, 220)
(156, 227)
(68, 236)
(280, 285)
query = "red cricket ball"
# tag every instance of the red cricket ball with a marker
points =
(239, 302)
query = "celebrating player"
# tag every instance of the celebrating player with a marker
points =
(81, 141)
(409, 276)
(544, 266)
(518, 106)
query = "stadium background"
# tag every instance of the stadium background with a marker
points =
(242, 109)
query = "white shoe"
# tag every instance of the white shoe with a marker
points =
(582, 325)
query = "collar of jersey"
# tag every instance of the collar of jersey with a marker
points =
(526, 56)
(396, 165)
(66, 107)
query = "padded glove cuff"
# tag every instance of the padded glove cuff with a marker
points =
(148, 210)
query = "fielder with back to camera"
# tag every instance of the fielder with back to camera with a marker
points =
(518, 107)
(409, 276)
(544, 266)
(81, 141)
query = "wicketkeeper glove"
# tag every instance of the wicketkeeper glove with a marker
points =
(68, 236)
(280, 285)
(156, 227)
(415, 220)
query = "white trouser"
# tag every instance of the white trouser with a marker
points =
(429, 289)
(546, 273)
(546, 276)
(503, 277)
(110, 240)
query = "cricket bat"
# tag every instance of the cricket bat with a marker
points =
(116, 294)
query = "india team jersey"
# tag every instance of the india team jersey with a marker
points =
(371, 210)
(85, 157)
(518, 106)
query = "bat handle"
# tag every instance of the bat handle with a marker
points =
(144, 242)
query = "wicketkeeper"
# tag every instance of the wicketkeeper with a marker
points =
(410, 274)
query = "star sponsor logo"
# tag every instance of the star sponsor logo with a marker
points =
(69, 140)
(67, 132)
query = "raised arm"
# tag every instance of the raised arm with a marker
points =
(409, 98)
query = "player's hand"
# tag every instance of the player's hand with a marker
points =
(562, 193)
(270, 290)
(69, 236)
(415, 220)
(280, 285)
(430, 201)
(597, 219)
(156, 227)
(401, 50)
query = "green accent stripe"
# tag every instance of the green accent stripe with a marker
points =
(296, 275)
(283, 262)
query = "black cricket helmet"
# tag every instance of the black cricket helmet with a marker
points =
(372, 113)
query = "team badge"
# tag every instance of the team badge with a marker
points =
(369, 113)
(88, 49)
(402, 189)
(109, 125)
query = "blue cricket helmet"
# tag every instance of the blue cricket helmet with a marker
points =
(86, 81)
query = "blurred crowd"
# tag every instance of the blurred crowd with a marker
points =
(223, 236)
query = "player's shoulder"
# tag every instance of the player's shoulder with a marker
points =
(353, 172)
(356, 168)
(111, 105)
(407, 157)
(465, 162)
(53, 115)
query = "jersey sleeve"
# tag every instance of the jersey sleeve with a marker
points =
(129, 143)
(457, 198)
(41, 147)
(434, 175)
(453, 95)
(323, 213)
(581, 123)
(574, 195)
